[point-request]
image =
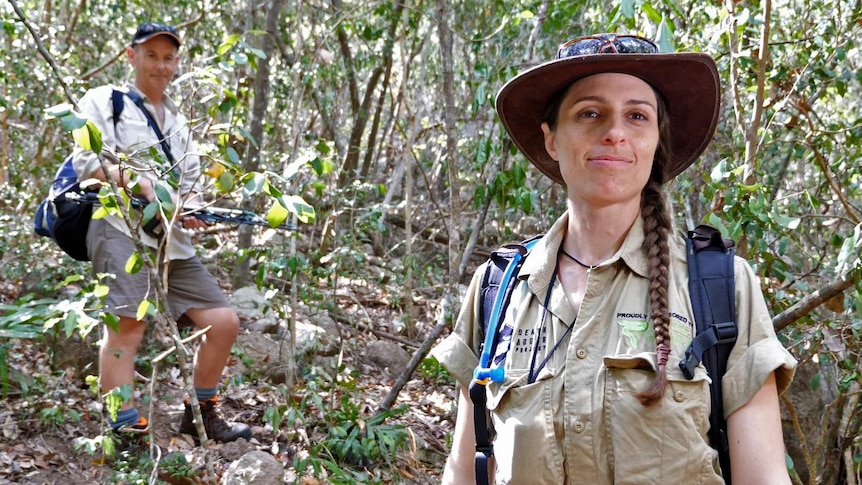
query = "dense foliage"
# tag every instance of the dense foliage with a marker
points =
(353, 124)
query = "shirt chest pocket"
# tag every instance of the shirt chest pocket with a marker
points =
(662, 443)
(135, 137)
(526, 446)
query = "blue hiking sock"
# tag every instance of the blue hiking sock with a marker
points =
(125, 417)
(205, 393)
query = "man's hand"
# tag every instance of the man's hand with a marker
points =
(192, 202)
(192, 222)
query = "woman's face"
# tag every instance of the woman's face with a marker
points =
(605, 138)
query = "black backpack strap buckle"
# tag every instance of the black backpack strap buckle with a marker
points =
(716, 334)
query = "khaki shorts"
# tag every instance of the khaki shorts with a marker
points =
(190, 285)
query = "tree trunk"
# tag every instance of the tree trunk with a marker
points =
(258, 114)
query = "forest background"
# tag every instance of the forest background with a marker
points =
(380, 115)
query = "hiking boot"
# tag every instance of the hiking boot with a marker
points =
(131, 439)
(214, 423)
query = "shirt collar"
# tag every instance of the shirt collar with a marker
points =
(539, 265)
(167, 102)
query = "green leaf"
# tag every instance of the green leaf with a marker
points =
(298, 206)
(69, 280)
(88, 137)
(228, 43)
(100, 212)
(714, 221)
(112, 321)
(134, 263)
(232, 154)
(143, 309)
(627, 7)
(751, 188)
(70, 323)
(240, 58)
(228, 102)
(815, 382)
(166, 199)
(225, 182)
(846, 254)
(654, 15)
(276, 215)
(254, 183)
(150, 211)
(60, 111)
(788, 222)
(272, 190)
(665, 36)
(100, 290)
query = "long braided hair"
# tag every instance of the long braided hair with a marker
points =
(657, 227)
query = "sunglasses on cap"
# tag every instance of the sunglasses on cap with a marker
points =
(606, 44)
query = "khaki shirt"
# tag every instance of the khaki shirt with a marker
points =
(580, 420)
(134, 138)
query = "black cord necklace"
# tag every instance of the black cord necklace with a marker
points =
(589, 267)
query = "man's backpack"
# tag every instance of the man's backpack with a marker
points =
(711, 284)
(64, 215)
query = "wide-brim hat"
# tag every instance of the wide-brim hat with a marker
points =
(150, 30)
(688, 82)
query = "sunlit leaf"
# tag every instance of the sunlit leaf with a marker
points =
(101, 290)
(134, 263)
(254, 183)
(88, 137)
(59, 110)
(214, 170)
(228, 43)
(100, 213)
(276, 215)
(299, 207)
(144, 308)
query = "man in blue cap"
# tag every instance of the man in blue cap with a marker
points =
(150, 146)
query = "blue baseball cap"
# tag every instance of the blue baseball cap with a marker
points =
(153, 29)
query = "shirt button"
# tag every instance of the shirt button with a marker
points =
(579, 427)
(678, 396)
(581, 353)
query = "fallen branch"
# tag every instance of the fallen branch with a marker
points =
(809, 303)
(417, 358)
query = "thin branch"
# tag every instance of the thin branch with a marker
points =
(751, 140)
(90, 74)
(824, 167)
(55, 69)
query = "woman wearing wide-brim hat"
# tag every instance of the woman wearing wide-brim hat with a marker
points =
(601, 314)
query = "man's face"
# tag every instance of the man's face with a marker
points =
(155, 62)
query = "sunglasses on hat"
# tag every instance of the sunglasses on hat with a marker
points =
(606, 44)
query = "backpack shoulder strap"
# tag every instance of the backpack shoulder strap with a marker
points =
(502, 268)
(712, 287)
(117, 103)
(496, 290)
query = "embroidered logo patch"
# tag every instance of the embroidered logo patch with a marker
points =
(637, 328)
(634, 326)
